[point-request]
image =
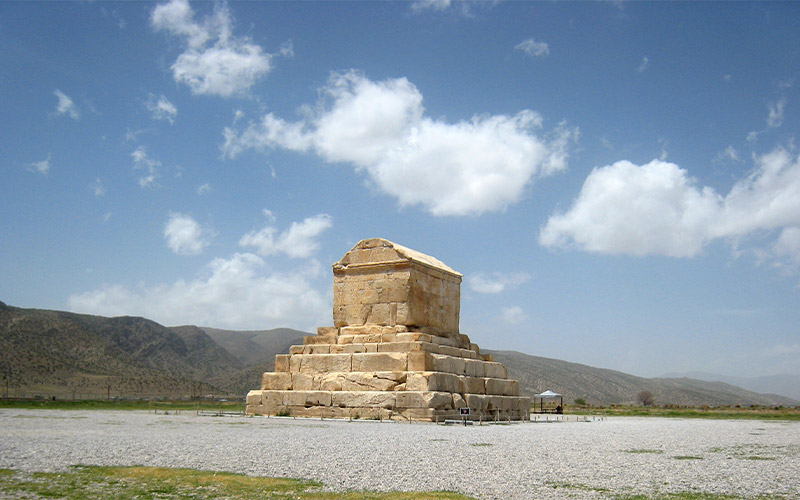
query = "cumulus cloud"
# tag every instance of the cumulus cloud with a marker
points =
(299, 241)
(184, 235)
(495, 282)
(658, 209)
(65, 105)
(237, 293)
(214, 61)
(204, 189)
(40, 167)
(533, 48)
(146, 164)
(469, 167)
(643, 65)
(161, 108)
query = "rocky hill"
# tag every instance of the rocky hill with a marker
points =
(603, 386)
(66, 354)
(75, 355)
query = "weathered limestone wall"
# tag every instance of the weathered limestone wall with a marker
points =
(394, 352)
(381, 283)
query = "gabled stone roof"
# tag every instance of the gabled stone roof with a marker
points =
(383, 253)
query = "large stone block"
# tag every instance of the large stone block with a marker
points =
(434, 381)
(504, 387)
(323, 363)
(278, 381)
(282, 363)
(420, 362)
(449, 364)
(379, 362)
(414, 399)
(474, 385)
(407, 347)
(364, 399)
(304, 382)
(272, 400)
(474, 368)
(254, 398)
(495, 370)
(307, 398)
(372, 381)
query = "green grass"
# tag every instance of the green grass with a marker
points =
(124, 405)
(643, 450)
(571, 486)
(724, 413)
(129, 483)
(687, 457)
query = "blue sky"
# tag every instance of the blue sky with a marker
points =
(619, 183)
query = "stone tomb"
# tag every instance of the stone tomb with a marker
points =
(394, 351)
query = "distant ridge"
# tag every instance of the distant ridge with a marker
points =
(66, 354)
(603, 386)
(785, 384)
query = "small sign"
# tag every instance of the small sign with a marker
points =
(464, 411)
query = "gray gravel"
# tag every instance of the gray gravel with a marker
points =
(580, 460)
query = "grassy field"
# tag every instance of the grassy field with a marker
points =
(729, 412)
(129, 483)
(46, 404)
(732, 412)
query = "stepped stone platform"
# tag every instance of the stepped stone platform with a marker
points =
(394, 351)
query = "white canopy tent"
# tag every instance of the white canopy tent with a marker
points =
(550, 396)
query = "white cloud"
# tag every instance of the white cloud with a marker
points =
(786, 250)
(775, 117)
(299, 241)
(204, 189)
(150, 167)
(484, 164)
(657, 209)
(236, 293)
(730, 154)
(97, 188)
(161, 108)
(461, 7)
(215, 61)
(533, 48)
(65, 105)
(643, 65)
(40, 167)
(513, 315)
(184, 235)
(439, 5)
(495, 282)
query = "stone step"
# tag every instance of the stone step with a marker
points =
(412, 361)
(385, 346)
(389, 381)
(273, 402)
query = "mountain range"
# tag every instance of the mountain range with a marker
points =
(63, 354)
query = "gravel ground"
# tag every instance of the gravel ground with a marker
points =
(576, 460)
